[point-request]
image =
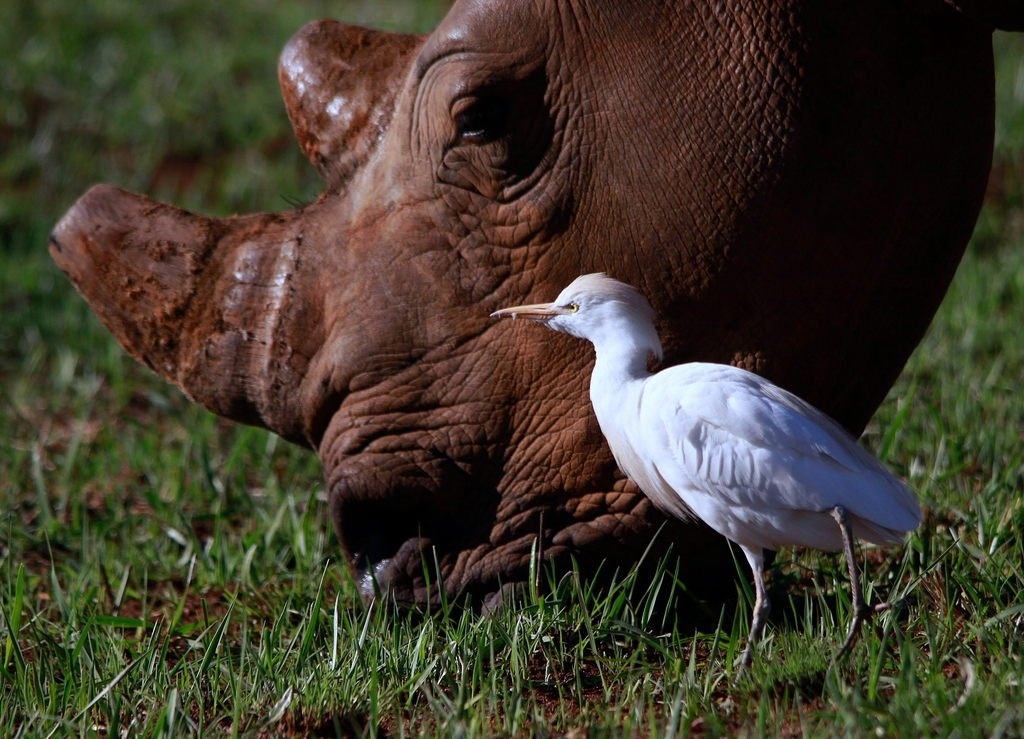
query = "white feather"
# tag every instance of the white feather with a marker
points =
(753, 461)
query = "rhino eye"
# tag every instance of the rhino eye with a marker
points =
(481, 120)
(497, 135)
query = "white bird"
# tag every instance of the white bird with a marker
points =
(756, 463)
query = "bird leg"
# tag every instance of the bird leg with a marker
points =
(762, 607)
(861, 610)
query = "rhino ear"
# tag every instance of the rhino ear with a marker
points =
(339, 84)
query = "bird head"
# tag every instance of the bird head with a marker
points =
(598, 308)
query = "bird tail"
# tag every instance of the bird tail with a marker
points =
(877, 534)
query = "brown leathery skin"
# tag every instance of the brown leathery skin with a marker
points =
(791, 184)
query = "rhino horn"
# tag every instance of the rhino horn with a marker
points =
(207, 303)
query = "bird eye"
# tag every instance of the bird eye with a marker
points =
(573, 307)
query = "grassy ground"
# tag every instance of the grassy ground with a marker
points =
(162, 572)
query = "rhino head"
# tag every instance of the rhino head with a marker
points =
(791, 184)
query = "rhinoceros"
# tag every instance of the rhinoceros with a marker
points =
(792, 185)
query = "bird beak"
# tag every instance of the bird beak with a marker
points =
(536, 311)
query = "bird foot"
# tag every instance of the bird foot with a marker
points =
(743, 662)
(865, 612)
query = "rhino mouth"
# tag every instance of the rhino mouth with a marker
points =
(389, 575)
(384, 545)
(414, 553)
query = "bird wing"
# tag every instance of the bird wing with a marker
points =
(732, 434)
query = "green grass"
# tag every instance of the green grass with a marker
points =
(164, 572)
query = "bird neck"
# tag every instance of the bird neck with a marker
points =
(623, 353)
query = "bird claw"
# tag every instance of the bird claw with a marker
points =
(743, 662)
(865, 613)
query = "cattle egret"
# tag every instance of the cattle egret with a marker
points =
(753, 461)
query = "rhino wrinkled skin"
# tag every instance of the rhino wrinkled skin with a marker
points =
(791, 183)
